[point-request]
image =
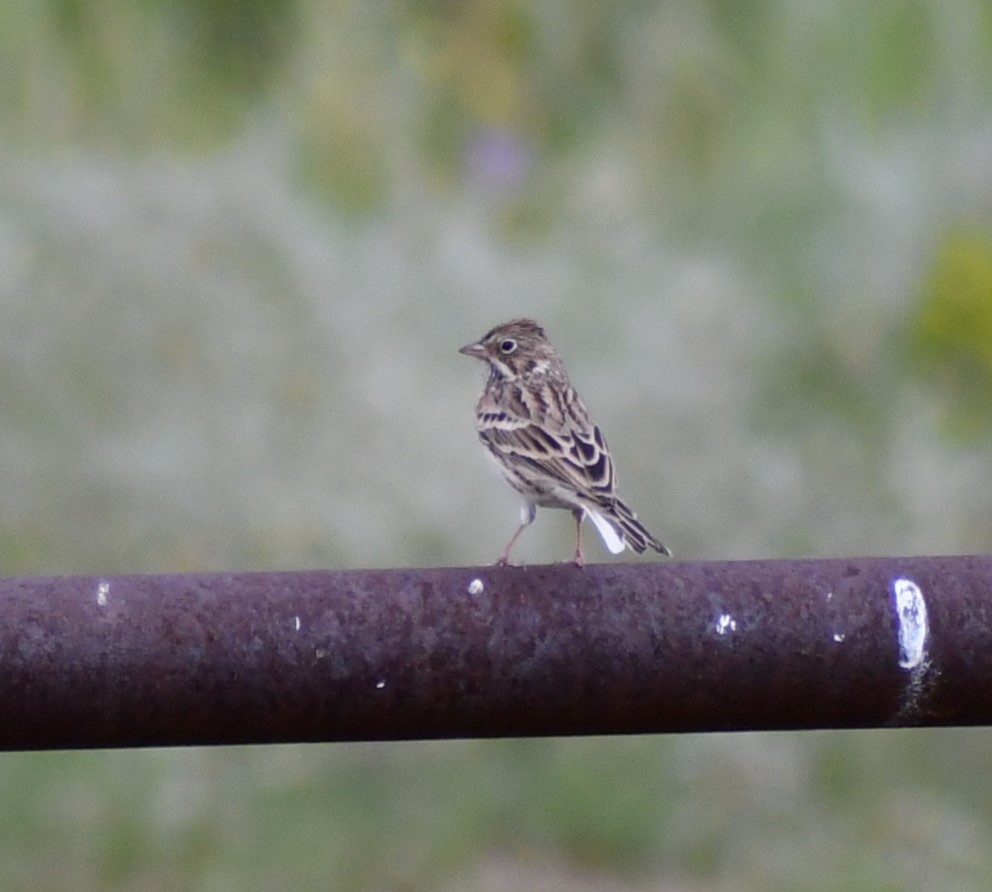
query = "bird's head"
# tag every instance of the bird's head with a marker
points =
(516, 349)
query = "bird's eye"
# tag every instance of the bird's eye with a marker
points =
(507, 345)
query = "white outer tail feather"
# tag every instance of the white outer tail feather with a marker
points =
(606, 532)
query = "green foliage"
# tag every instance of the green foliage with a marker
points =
(715, 91)
(142, 74)
(951, 328)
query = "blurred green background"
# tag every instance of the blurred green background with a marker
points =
(239, 246)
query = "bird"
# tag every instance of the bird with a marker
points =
(538, 432)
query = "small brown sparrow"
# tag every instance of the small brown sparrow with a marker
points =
(538, 431)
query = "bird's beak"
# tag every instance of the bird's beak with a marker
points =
(476, 349)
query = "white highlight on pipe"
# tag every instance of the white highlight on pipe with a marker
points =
(725, 623)
(911, 616)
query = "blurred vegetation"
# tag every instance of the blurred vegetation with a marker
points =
(140, 75)
(718, 91)
(239, 244)
(952, 328)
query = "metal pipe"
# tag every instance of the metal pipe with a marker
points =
(121, 661)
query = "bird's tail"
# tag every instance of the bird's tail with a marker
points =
(634, 534)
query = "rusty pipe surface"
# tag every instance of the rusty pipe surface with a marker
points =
(181, 659)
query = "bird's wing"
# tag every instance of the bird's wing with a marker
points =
(575, 457)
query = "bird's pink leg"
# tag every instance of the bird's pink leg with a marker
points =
(527, 515)
(504, 558)
(578, 514)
